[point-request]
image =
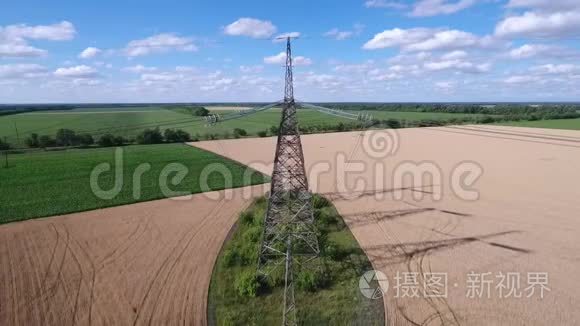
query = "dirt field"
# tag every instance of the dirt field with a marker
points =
(141, 264)
(524, 221)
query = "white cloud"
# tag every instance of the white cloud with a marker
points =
(89, 52)
(282, 37)
(23, 70)
(81, 71)
(457, 54)
(87, 82)
(446, 86)
(458, 65)
(521, 79)
(426, 8)
(251, 69)
(62, 31)
(540, 24)
(556, 69)
(17, 49)
(188, 69)
(163, 77)
(159, 43)
(339, 35)
(222, 83)
(14, 38)
(528, 51)
(387, 76)
(543, 19)
(427, 39)
(385, 4)
(280, 58)
(251, 27)
(355, 68)
(139, 69)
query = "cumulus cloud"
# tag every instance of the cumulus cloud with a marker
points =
(251, 27)
(426, 8)
(457, 65)
(90, 52)
(22, 70)
(339, 35)
(528, 51)
(280, 58)
(81, 71)
(159, 43)
(18, 49)
(251, 69)
(355, 68)
(556, 69)
(457, 54)
(540, 24)
(164, 77)
(427, 39)
(62, 31)
(544, 19)
(521, 79)
(446, 86)
(14, 38)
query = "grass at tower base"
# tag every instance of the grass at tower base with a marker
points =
(237, 297)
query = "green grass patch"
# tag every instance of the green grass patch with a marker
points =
(329, 297)
(570, 124)
(48, 183)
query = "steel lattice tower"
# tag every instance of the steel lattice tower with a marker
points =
(289, 237)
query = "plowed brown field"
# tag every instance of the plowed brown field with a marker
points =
(525, 220)
(143, 264)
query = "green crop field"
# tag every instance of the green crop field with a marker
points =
(56, 182)
(414, 116)
(129, 122)
(571, 124)
(126, 123)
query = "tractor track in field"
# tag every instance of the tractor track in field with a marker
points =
(139, 264)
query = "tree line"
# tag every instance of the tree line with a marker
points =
(546, 111)
(69, 138)
(17, 109)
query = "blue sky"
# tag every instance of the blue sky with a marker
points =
(351, 50)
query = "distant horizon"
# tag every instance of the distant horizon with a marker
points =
(263, 102)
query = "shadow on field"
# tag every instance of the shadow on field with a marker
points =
(337, 196)
(392, 254)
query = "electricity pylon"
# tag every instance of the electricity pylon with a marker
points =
(290, 237)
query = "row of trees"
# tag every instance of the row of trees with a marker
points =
(543, 111)
(68, 137)
(16, 109)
